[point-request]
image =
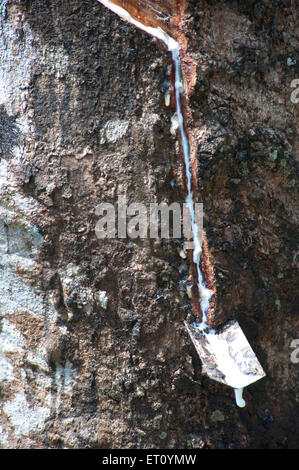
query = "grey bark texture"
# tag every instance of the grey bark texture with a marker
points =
(94, 352)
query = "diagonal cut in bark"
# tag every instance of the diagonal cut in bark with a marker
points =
(226, 354)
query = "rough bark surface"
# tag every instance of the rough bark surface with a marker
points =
(83, 119)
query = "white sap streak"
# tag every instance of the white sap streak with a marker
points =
(174, 47)
(156, 32)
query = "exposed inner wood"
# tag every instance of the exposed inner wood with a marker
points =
(169, 16)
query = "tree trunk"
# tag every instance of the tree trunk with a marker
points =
(94, 352)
